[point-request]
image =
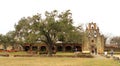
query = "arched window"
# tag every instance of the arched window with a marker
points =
(59, 48)
(68, 48)
(43, 48)
(92, 41)
(92, 26)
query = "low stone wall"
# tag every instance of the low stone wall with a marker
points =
(23, 55)
(4, 55)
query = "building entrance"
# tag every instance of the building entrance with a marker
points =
(93, 50)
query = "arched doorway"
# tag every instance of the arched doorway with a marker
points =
(78, 48)
(93, 50)
(27, 48)
(43, 48)
(59, 48)
(68, 48)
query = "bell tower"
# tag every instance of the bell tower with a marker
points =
(93, 40)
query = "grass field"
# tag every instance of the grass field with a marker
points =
(56, 61)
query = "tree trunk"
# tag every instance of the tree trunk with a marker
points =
(50, 50)
(38, 50)
(30, 50)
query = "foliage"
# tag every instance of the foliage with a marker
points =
(50, 29)
(10, 37)
(115, 40)
(7, 39)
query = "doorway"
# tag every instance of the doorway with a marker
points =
(93, 50)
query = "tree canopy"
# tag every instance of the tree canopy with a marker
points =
(53, 27)
(115, 40)
(50, 29)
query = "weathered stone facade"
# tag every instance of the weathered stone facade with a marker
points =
(59, 47)
(93, 40)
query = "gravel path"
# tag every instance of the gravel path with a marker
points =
(99, 56)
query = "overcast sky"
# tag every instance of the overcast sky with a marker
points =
(106, 13)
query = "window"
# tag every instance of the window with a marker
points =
(92, 26)
(92, 41)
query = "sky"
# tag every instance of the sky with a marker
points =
(105, 13)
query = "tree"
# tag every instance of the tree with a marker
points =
(11, 37)
(4, 40)
(50, 28)
(76, 35)
(53, 27)
(7, 39)
(21, 30)
(1, 37)
(115, 40)
(25, 32)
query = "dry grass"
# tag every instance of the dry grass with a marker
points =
(56, 61)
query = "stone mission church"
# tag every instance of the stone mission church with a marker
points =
(93, 40)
